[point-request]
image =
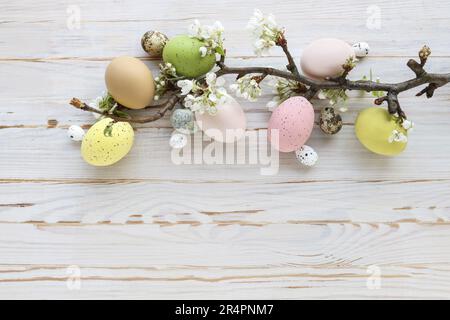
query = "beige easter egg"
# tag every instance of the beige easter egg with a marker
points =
(130, 82)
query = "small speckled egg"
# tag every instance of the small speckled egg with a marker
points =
(306, 156)
(324, 58)
(183, 120)
(227, 125)
(102, 147)
(330, 121)
(361, 49)
(293, 120)
(374, 126)
(153, 43)
(183, 52)
(130, 82)
(76, 133)
(178, 140)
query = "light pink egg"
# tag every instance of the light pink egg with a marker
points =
(324, 58)
(227, 125)
(293, 120)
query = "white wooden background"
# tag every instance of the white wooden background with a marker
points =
(146, 228)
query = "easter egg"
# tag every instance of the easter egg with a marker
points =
(330, 121)
(153, 43)
(306, 156)
(324, 58)
(361, 49)
(107, 142)
(227, 125)
(183, 120)
(130, 82)
(75, 133)
(183, 52)
(294, 120)
(375, 128)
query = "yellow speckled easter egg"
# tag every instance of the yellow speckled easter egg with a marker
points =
(373, 128)
(107, 142)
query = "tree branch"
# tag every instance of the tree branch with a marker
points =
(166, 106)
(434, 80)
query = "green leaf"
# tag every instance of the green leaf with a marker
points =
(220, 51)
(108, 129)
(122, 114)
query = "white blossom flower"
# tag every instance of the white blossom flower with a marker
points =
(212, 36)
(265, 31)
(168, 74)
(206, 98)
(321, 95)
(247, 87)
(408, 125)
(397, 136)
(186, 86)
(203, 51)
(273, 104)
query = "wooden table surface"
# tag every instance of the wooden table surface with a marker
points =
(355, 226)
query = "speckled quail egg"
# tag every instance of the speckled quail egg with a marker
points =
(306, 156)
(153, 43)
(183, 120)
(330, 121)
(76, 133)
(361, 49)
(178, 140)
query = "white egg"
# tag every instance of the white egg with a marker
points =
(178, 141)
(361, 49)
(76, 133)
(306, 156)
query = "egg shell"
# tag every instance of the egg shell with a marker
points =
(294, 120)
(361, 49)
(183, 120)
(306, 156)
(130, 82)
(99, 149)
(227, 125)
(153, 43)
(324, 58)
(330, 121)
(76, 133)
(183, 52)
(374, 126)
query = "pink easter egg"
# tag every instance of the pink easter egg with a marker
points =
(293, 120)
(227, 125)
(324, 58)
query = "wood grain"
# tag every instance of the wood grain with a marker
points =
(147, 228)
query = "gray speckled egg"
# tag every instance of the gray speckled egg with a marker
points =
(183, 120)
(330, 122)
(153, 43)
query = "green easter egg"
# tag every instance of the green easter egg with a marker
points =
(183, 52)
(373, 128)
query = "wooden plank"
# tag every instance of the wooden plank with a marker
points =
(49, 154)
(51, 84)
(233, 204)
(147, 228)
(43, 33)
(278, 260)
